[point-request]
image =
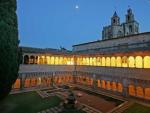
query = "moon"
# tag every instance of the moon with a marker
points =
(77, 6)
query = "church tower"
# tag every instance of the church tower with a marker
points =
(131, 26)
(115, 20)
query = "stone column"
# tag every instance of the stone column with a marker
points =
(22, 80)
(125, 87)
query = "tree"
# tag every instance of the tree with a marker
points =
(9, 49)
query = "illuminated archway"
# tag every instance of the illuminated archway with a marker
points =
(103, 84)
(27, 83)
(147, 62)
(124, 61)
(139, 91)
(48, 60)
(33, 82)
(114, 87)
(120, 87)
(98, 60)
(118, 62)
(113, 61)
(87, 61)
(17, 84)
(107, 61)
(132, 90)
(147, 93)
(98, 83)
(131, 61)
(108, 85)
(139, 62)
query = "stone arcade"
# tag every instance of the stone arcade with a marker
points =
(118, 64)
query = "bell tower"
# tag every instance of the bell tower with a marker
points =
(115, 20)
(129, 16)
(131, 26)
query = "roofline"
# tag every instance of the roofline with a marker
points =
(111, 39)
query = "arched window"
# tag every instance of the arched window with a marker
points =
(26, 59)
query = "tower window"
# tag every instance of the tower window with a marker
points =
(130, 29)
(128, 18)
(114, 21)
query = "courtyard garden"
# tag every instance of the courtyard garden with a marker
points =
(137, 108)
(29, 102)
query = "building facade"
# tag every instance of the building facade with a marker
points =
(118, 65)
(129, 27)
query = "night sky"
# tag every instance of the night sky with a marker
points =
(55, 23)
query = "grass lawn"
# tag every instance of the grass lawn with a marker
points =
(29, 102)
(137, 108)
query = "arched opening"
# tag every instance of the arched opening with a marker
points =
(98, 60)
(118, 62)
(114, 87)
(52, 60)
(139, 92)
(26, 59)
(113, 61)
(147, 93)
(87, 61)
(120, 87)
(131, 61)
(41, 60)
(103, 84)
(107, 61)
(124, 61)
(139, 62)
(108, 85)
(39, 81)
(94, 61)
(17, 84)
(56, 60)
(33, 82)
(32, 59)
(48, 60)
(147, 62)
(132, 90)
(27, 83)
(98, 83)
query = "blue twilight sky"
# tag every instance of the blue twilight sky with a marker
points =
(55, 23)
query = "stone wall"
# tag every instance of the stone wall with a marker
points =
(131, 73)
(134, 41)
(45, 68)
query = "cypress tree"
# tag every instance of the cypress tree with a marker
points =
(9, 49)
